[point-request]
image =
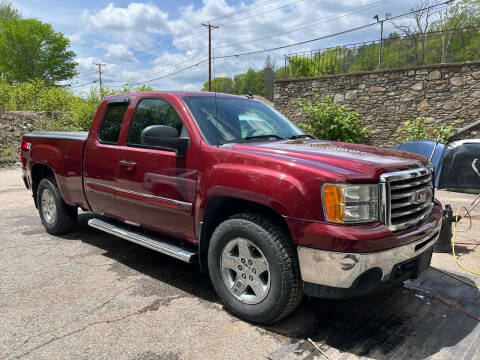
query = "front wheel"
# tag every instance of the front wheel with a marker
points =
(57, 217)
(254, 269)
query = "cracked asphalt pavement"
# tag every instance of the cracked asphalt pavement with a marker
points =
(90, 295)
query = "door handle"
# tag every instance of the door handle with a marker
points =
(128, 166)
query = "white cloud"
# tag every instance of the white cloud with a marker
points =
(141, 32)
(134, 24)
(76, 38)
(117, 52)
(85, 64)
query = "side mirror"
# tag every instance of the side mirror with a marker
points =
(165, 137)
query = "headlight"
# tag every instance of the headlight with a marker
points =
(345, 203)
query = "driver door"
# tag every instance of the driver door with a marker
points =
(156, 187)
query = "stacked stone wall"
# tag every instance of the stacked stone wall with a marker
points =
(385, 99)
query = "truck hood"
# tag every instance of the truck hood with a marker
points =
(352, 160)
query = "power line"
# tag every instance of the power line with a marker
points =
(284, 46)
(328, 36)
(373, 41)
(298, 43)
(249, 8)
(245, 10)
(277, 48)
(163, 48)
(193, 28)
(263, 13)
(173, 73)
(373, 5)
(329, 19)
(188, 31)
(148, 75)
(77, 86)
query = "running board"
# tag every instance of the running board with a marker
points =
(140, 239)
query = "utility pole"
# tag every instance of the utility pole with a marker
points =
(99, 65)
(380, 45)
(210, 27)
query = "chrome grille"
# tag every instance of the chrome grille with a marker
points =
(407, 197)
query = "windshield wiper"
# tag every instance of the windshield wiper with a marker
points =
(265, 136)
(303, 136)
(246, 138)
(235, 140)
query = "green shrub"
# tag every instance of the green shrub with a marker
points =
(68, 111)
(35, 96)
(6, 154)
(329, 121)
(422, 129)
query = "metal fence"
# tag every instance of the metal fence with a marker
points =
(448, 46)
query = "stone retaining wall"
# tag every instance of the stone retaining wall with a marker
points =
(384, 99)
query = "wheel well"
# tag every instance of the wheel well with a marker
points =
(221, 208)
(39, 172)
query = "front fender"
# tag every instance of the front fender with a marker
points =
(279, 191)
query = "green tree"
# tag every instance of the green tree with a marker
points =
(281, 72)
(32, 50)
(259, 84)
(268, 78)
(7, 11)
(248, 82)
(301, 66)
(237, 83)
(220, 84)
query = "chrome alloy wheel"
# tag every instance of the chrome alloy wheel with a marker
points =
(49, 209)
(245, 271)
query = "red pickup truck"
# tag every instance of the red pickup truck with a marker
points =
(226, 181)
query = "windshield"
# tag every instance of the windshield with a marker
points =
(238, 120)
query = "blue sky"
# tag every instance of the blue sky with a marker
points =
(135, 39)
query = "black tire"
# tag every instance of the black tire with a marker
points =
(65, 216)
(285, 292)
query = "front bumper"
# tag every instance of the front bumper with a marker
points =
(360, 272)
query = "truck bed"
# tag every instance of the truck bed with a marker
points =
(61, 135)
(62, 152)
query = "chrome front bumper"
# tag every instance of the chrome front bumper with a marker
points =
(340, 270)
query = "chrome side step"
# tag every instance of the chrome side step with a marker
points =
(141, 239)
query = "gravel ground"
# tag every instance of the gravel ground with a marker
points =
(89, 295)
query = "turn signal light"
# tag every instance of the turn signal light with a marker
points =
(334, 202)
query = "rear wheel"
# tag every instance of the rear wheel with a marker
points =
(57, 217)
(254, 269)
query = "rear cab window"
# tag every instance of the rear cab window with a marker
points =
(112, 123)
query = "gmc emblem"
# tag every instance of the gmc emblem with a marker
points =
(422, 196)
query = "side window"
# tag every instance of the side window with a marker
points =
(112, 123)
(152, 112)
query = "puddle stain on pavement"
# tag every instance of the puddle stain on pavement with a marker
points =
(394, 324)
